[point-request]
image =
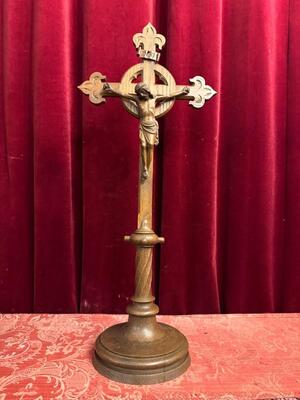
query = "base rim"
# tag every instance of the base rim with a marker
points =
(140, 379)
(156, 368)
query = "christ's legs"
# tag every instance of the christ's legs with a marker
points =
(149, 154)
(148, 137)
(145, 164)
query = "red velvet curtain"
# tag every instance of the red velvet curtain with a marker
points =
(227, 176)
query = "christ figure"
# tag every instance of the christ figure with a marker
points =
(148, 130)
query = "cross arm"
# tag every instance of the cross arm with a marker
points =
(96, 88)
(197, 93)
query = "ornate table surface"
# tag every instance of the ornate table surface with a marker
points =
(46, 356)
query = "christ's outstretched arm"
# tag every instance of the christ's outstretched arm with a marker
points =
(109, 90)
(173, 95)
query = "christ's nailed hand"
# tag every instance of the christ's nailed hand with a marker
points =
(186, 90)
(106, 87)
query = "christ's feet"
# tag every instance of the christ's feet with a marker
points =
(145, 173)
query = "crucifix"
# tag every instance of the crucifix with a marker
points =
(141, 350)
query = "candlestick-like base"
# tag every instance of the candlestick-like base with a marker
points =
(141, 352)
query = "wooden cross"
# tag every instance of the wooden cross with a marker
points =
(120, 350)
(148, 43)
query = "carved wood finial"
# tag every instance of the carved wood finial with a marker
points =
(200, 91)
(93, 87)
(147, 43)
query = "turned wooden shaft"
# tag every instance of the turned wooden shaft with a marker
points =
(143, 275)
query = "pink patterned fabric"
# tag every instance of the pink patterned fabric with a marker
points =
(233, 357)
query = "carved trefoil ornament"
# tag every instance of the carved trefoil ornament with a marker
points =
(200, 91)
(147, 42)
(93, 87)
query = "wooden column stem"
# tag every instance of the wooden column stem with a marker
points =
(143, 275)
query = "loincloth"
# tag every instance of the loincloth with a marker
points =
(149, 133)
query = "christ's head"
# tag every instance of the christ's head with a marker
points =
(143, 92)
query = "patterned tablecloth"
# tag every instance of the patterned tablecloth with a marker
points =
(233, 357)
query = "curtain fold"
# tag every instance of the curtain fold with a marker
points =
(227, 195)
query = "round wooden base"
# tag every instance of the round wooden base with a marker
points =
(122, 356)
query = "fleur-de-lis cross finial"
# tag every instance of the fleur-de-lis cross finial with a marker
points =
(148, 41)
